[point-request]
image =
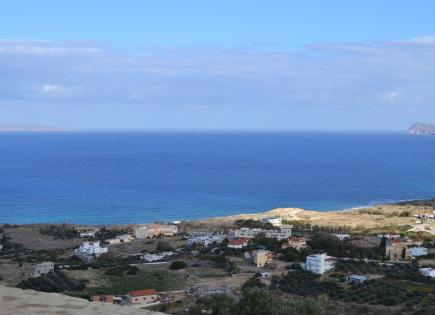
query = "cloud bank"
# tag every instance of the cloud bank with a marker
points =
(351, 78)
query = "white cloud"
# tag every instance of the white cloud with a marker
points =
(335, 75)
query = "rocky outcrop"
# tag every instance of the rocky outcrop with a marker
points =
(421, 129)
(15, 301)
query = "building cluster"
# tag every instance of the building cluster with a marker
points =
(205, 240)
(280, 233)
(404, 248)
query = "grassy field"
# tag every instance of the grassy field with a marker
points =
(202, 274)
(161, 280)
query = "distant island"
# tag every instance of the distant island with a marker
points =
(28, 128)
(421, 129)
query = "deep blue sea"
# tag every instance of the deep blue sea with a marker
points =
(125, 177)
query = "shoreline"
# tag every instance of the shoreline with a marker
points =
(397, 214)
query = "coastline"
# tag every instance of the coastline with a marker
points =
(399, 214)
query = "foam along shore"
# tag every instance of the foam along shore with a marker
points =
(15, 301)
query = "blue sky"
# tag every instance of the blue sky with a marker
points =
(218, 64)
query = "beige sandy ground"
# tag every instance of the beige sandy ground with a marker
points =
(367, 218)
(15, 301)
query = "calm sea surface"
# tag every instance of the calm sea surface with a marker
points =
(124, 177)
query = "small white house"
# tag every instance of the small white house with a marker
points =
(275, 221)
(417, 251)
(427, 272)
(87, 234)
(356, 279)
(43, 269)
(91, 248)
(319, 263)
(342, 237)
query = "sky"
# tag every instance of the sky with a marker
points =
(267, 65)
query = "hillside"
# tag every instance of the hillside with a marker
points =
(421, 129)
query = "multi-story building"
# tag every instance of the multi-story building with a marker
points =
(319, 263)
(262, 258)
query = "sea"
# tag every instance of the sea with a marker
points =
(133, 177)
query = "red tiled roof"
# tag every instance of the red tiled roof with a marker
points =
(143, 292)
(237, 242)
(296, 239)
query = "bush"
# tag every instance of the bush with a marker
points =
(176, 265)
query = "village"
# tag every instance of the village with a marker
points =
(174, 266)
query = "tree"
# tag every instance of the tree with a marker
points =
(178, 264)
(163, 246)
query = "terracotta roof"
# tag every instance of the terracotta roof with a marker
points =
(143, 292)
(237, 242)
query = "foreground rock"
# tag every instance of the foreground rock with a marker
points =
(15, 301)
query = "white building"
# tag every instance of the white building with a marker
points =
(417, 251)
(275, 221)
(87, 234)
(282, 233)
(91, 248)
(319, 263)
(205, 240)
(43, 269)
(248, 232)
(342, 237)
(427, 272)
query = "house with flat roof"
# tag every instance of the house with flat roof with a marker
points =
(319, 263)
(42, 269)
(143, 296)
(262, 258)
(356, 279)
(427, 272)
